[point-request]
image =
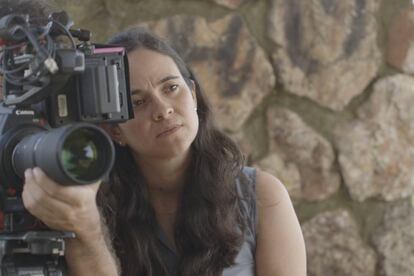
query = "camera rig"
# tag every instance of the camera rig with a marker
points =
(54, 93)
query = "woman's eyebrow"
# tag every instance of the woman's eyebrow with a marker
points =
(167, 78)
(136, 92)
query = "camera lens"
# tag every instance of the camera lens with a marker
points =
(74, 154)
(80, 156)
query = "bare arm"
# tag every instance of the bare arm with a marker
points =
(280, 247)
(91, 254)
(72, 208)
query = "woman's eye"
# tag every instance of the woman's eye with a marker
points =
(138, 102)
(172, 88)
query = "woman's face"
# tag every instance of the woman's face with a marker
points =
(166, 121)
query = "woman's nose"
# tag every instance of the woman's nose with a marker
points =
(162, 110)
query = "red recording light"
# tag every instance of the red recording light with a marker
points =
(11, 191)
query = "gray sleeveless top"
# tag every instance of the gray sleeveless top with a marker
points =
(245, 260)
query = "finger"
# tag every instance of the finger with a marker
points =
(48, 186)
(51, 212)
(41, 176)
(72, 195)
(39, 202)
(38, 211)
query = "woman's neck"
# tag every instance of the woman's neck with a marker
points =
(165, 179)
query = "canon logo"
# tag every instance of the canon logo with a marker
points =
(25, 112)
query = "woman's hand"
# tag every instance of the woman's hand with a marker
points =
(66, 208)
(72, 208)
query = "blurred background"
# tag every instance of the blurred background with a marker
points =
(318, 92)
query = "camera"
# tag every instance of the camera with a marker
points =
(55, 91)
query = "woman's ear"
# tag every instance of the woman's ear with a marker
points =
(193, 91)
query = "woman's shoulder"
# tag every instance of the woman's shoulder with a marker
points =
(269, 189)
(278, 231)
(259, 190)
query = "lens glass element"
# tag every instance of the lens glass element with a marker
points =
(80, 155)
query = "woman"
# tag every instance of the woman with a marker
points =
(178, 201)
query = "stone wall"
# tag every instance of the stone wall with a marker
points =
(318, 92)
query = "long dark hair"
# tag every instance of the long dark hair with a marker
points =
(210, 226)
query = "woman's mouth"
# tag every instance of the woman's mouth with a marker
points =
(168, 131)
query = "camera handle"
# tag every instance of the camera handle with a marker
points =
(33, 253)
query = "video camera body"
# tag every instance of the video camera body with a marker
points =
(53, 94)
